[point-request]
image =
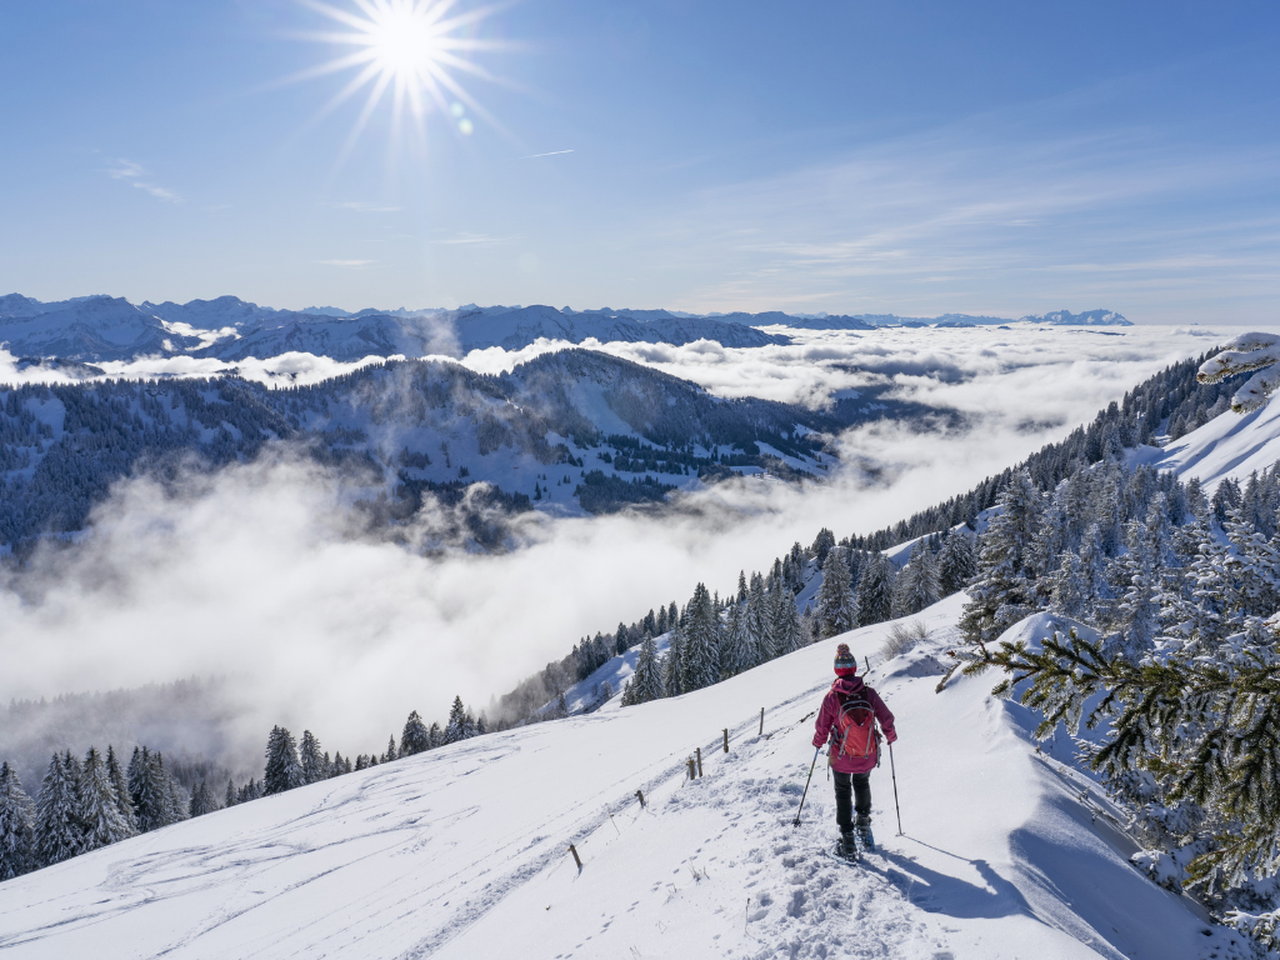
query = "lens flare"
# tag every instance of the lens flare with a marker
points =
(407, 52)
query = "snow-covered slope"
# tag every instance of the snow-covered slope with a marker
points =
(463, 851)
(1229, 445)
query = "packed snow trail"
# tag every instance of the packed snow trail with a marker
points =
(462, 852)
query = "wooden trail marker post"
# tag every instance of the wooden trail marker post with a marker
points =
(576, 859)
(699, 761)
(640, 797)
(762, 721)
(689, 766)
(726, 739)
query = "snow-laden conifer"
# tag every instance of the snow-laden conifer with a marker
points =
(957, 562)
(283, 771)
(151, 800)
(415, 737)
(311, 759)
(837, 607)
(759, 625)
(101, 821)
(59, 830)
(788, 628)
(646, 683)
(735, 646)
(875, 590)
(202, 800)
(1003, 594)
(456, 727)
(17, 826)
(672, 669)
(917, 585)
(179, 798)
(700, 655)
(121, 784)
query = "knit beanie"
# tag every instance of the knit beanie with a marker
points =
(846, 663)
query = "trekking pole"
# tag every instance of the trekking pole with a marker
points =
(816, 751)
(894, 773)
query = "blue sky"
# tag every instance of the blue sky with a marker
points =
(835, 155)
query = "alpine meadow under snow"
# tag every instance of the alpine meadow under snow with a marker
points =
(365, 577)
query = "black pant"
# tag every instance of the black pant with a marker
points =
(859, 784)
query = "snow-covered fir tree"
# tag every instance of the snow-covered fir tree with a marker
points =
(101, 822)
(700, 654)
(17, 826)
(283, 771)
(415, 738)
(646, 683)
(917, 586)
(250, 791)
(1003, 592)
(672, 668)
(314, 767)
(59, 830)
(458, 726)
(121, 783)
(759, 625)
(789, 630)
(202, 799)
(957, 562)
(735, 645)
(875, 590)
(149, 791)
(837, 607)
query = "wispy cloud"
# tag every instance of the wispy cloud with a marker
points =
(549, 153)
(981, 214)
(347, 263)
(136, 175)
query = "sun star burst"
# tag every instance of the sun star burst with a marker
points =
(407, 52)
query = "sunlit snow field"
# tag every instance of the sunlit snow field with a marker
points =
(462, 852)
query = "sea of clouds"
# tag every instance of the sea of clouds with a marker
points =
(257, 574)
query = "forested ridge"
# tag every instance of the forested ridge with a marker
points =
(411, 428)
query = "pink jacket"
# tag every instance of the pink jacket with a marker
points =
(844, 689)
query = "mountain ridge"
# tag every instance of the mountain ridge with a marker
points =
(102, 328)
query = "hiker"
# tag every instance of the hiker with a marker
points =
(847, 720)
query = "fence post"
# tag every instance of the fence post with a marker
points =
(762, 721)
(699, 761)
(576, 859)
(640, 797)
(689, 765)
(726, 739)
(867, 660)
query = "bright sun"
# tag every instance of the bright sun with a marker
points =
(409, 51)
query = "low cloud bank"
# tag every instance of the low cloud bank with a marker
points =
(256, 574)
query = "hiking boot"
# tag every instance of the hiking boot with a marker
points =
(848, 845)
(865, 836)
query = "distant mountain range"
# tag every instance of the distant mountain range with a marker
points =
(98, 329)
